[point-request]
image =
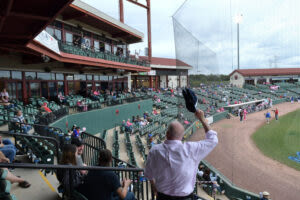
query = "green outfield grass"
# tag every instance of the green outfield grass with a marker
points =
(280, 139)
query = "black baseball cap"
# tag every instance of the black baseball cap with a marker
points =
(77, 142)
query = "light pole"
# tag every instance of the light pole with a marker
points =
(238, 20)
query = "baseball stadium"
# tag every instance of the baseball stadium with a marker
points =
(141, 99)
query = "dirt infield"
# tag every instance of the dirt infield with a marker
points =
(237, 157)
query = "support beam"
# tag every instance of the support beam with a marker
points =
(11, 36)
(6, 13)
(121, 10)
(149, 31)
(121, 34)
(74, 16)
(29, 16)
(137, 3)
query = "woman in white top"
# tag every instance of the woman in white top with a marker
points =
(4, 96)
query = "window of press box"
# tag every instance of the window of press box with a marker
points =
(103, 78)
(5, 74)
(16, 75)
(59, 77)
(96, 78)
(70, 77)
(81, 77)
(89, 77)
(43, 76)
(30, 75)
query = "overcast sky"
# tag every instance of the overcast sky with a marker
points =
(269, 32)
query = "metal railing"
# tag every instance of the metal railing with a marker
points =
(18, 137)
(96, 53)
(141, 187)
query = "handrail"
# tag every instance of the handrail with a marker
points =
(141, 186)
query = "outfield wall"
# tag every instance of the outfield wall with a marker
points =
(98, 120)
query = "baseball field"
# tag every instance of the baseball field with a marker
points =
(280, 139)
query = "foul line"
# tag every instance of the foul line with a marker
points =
(47, 181)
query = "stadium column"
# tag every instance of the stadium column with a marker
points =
(135, 82)
(65, 85)
(150, 81)
(24, 88)
(149, 31)
(121, 7)
(129, 81)
(167, 80)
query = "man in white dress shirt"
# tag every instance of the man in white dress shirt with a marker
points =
(172, 166)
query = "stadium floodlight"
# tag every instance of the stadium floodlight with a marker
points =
(238, 20)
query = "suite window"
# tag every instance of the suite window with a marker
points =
(44, 76)
(60, 77)
(16, 75)
(30, 75)
(5, 74)
(89, 77)
(69, 38)
(81, 77)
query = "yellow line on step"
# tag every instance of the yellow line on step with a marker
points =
(47, 181)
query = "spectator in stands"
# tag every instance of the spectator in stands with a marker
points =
(105, 184)
(7, 175)
(4, 96)
(8, 149)
(80, 147)
(20, 121)
(207, 176)
(167, 163)
(200, 171)
(264, 195)
(45, 108)
(61, 98)
(292, 99)
(73, 127)
(64, 176)
(76, 132)
(128, 127)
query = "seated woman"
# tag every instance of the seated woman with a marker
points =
(61, 98)
(45, 108)
(4, 98)
(7, 175)
(63, 176)
(105, 184)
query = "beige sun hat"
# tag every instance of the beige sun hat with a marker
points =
(265, 193)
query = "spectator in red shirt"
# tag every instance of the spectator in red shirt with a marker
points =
(46, 108)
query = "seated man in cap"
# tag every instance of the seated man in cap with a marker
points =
(265, 196)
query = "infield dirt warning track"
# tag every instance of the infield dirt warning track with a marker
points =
(237, 157)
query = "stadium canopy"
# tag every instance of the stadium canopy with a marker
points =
(21, 21)
(87, 14)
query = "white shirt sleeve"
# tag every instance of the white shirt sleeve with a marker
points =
(202, 148)
(148, 168)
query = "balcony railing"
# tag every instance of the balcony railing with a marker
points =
(96, 53)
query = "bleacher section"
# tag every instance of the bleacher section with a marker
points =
(107, 113)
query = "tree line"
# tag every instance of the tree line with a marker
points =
(196, 79)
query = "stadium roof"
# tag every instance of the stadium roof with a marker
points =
(87, 14)
(268, 72)
(21, 21)
(157, 62)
